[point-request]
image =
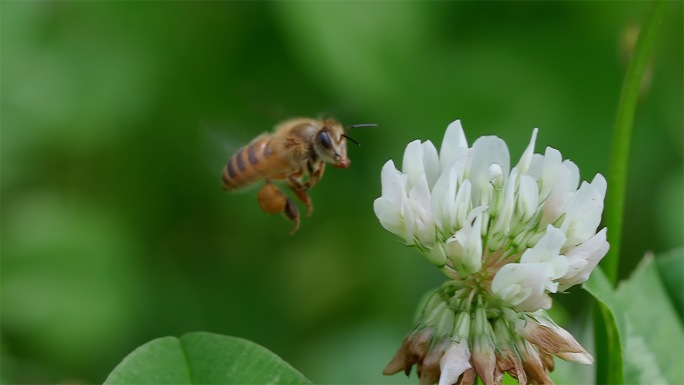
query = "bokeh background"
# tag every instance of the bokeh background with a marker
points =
(117, 118)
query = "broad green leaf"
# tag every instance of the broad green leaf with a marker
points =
(203, 358)
(653, 336)
(670, 267)
(650, 332)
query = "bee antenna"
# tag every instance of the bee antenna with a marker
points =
(362, 125)
(357, 126)
(351, 140)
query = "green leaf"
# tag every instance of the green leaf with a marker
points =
(608, 345)
(650, 332)
(670, 267)
(203, 358)
(653, 335)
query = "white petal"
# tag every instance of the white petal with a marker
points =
(547, 250)
(389, 208)
(454, 145)
(389, 216)
(409, 223)
(522, 285)
(472, 245)
(526, 158)
(393, 184)
(464, 248)
(548, 246)
(549, 173)
(600, 184)
(487, 150)
(504, 212)
(583, 214)
(412, 165)
(528, 197)
(495, 175)
(454, 362)
(463, 204)
(583, 259)
(392, 207)
(430, 163)
(398, 222)
(573, 175)
(558, 186)
(536, 166)
(444, 200)
(472, 251)
(421, 207)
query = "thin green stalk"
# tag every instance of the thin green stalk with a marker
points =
(622, 135)
(608, 355)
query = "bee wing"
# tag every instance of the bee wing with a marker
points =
(219, 143)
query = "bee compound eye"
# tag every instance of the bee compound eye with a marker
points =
(324, 140)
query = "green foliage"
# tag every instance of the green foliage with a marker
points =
(671, 267)
(650, 331)
(203, 358)
(622, 134)
(607, 336)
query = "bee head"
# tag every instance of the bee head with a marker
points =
(330, 144)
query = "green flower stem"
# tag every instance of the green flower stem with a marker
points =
(622, 134)
(608, 355)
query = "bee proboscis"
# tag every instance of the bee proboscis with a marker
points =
(295, 152)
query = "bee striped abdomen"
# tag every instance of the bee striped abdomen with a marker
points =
(248, 165)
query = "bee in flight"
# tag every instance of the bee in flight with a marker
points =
(296, 153)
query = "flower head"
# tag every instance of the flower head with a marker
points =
(507, 237)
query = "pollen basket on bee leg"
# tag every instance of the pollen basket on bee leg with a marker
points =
(271, 199)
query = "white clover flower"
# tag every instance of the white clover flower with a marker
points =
(468, 211)
(507, 237)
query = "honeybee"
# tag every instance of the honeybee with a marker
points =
(296, 152)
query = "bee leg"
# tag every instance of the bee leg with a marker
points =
(293, 214)
(273, 201)
(317, 174)
(300, 190)
(304, 197)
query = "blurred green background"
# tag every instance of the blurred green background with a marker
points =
(117, 118)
